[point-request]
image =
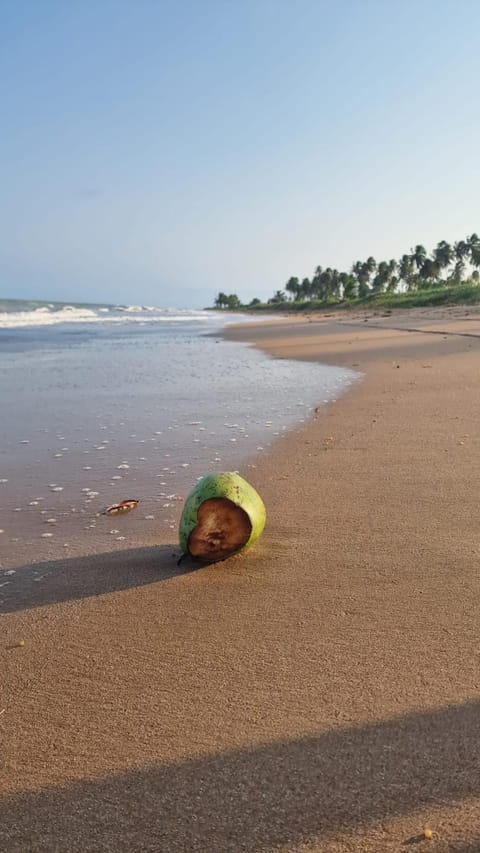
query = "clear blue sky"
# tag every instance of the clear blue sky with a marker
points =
(158, 152)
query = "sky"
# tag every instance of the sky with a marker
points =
(160, 152)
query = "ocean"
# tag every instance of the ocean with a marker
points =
(105, 403)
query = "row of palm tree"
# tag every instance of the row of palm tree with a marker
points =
(227, 300)
(447, 264)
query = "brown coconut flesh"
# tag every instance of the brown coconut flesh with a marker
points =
(222, 528)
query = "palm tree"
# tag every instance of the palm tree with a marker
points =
(385, 270)
(278, 296)
(406, 271)
(392, 268)
(315, 287)
(293, 286)
(327, 283)
(348, 284)
(221, 301)
(356, 273)
(233, 301)
(331, 282)
(473, 243)
(362, 271)
(380, 280)
(418, 255)
(443, 255)
(461, 250)
(323, 283)
(366, 270)
(429, 272)
(305, 288)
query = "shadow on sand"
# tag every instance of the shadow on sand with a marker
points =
(39, 584)
(305, 791)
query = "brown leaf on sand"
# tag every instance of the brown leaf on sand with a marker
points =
(121, 508)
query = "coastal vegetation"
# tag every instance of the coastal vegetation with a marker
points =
(449, 274)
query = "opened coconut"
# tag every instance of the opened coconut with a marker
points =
(222, 515)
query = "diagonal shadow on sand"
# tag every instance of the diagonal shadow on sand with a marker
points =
(284, 793)
(39, 584)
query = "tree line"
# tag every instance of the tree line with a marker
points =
(229, 301)
(447, 264)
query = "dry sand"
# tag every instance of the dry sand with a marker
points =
(320, 693)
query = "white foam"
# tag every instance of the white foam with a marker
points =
(50, 315)
(45, 317)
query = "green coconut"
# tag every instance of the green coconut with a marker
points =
(222, 515)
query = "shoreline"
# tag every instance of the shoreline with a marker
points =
(84, 449)
(334, 668)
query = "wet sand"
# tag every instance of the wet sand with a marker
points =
(77, 433)
(320, 693)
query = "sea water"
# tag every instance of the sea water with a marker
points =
(107, 403)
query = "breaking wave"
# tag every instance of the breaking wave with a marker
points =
(16, 315)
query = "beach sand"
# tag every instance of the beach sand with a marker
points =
(320, 693)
